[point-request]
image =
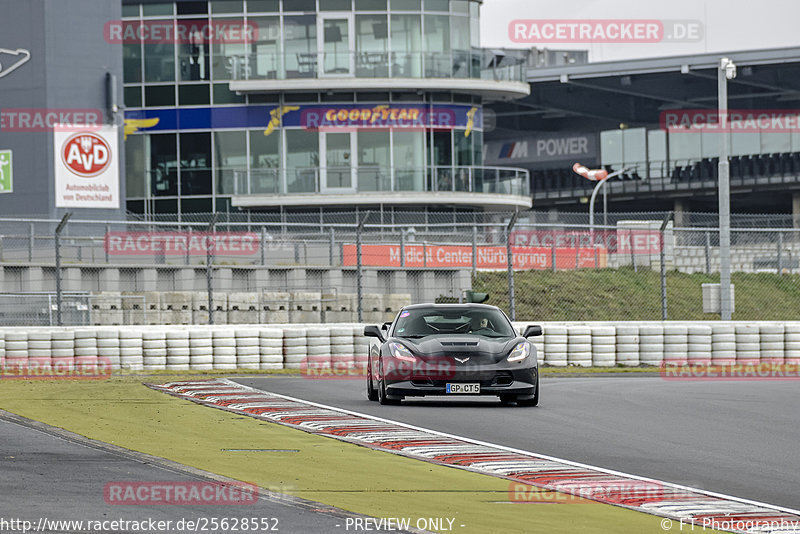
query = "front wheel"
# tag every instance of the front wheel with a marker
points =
(533, 401)
(382, 397)
(372, 393)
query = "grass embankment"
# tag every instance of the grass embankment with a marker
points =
(123, 412)
(623, 295)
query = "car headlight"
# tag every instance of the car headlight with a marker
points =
(520, 352)
(400, 352)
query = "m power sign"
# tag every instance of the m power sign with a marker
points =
(87, 168)
(542, 148)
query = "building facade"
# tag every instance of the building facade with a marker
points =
(312, 105)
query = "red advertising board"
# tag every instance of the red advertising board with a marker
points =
(489, 257)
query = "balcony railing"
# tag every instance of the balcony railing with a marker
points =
(457, 65)
(376, 179)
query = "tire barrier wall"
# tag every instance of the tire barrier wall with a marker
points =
(343, 347)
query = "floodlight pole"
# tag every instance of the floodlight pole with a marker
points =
(512, 304)
(59, 291)
(600, 183)
(725, 72)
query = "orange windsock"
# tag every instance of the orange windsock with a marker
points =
(594, 175)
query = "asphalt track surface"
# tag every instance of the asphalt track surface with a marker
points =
(62, 477)
(738, 438)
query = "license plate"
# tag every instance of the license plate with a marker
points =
(463, 388)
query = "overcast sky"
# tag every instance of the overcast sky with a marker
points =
(729, 25)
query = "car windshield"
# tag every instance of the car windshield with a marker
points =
(424, 322)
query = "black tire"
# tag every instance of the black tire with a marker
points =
(535, 400)
(372, 393)
(382, 398)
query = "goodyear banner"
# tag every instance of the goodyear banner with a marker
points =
(311, 117)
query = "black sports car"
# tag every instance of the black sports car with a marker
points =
(452, 349)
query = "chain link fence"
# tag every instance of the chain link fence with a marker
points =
(364, 266)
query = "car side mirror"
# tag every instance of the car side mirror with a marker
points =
(373, 331)
(532, 330)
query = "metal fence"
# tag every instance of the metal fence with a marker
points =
(322, 267)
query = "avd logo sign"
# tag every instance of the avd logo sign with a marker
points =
(86, 154)
(87, 168)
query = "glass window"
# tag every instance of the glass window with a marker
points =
(130, 10)
(709, 144)
(477, 147)
(163, 165)
(193, 58)
(437, 5)
(159, 62)
(442, 160)
(230, 149)
(300, 45)
(227, 6)
(335, 5)
(774, 143)
(370, 5)
(437, 46)
(193, 95)
(165, 206)
(196, 205)
(263, 6)
(460, 6)
(266, 50)
(150, 10)
(159, 95)
(409, 160)
(657, 152)
(231, 61)
(265, 163)
(132, 63)
(196, 163)
(474, 25)
(302, 161)
(406, 5)
(685, 146)
(192, 8)
(407, 45)
(373, 161)
(611, 147)
(634, 143)
(135, 169)
(133, 97)
(372, 44)
(223, 95)
(300, 5)
(463, 147)
(460, 46)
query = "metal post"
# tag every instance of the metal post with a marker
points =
(332, 249)
(726, 71)
(359, 272)
(553, 252)
(664, 269)
(263, 246)
(708, 252)
(59, 295)
(108, 231)
(605, 206)
(402, 247)
(633, 256)
(210, 266)
(512, 305)
(31, 239)
(780, 253)
(474, 251)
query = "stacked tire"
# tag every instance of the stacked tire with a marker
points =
(178, 350)
(294, 348)
(16, 351)
(676, 344)
(791, 343)
(748, 344)
(62, 352)
(318, 345)
(651, 344)
(555, 345)
(201, 350)
(579, 345)
(628, 345)
(604, 346)
(154, 350)
(130, 350)
(2, 352)
(108, 347)
(86, 350)
(343, 350)
(270, 343)
(224, 345)
(361, 347)
(771, 342)
(39, 352)
(723, 344)
(699, 338)
(248, 350)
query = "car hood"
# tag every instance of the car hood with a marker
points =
(459, 346)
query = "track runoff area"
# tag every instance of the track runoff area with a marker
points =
(531, 475)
